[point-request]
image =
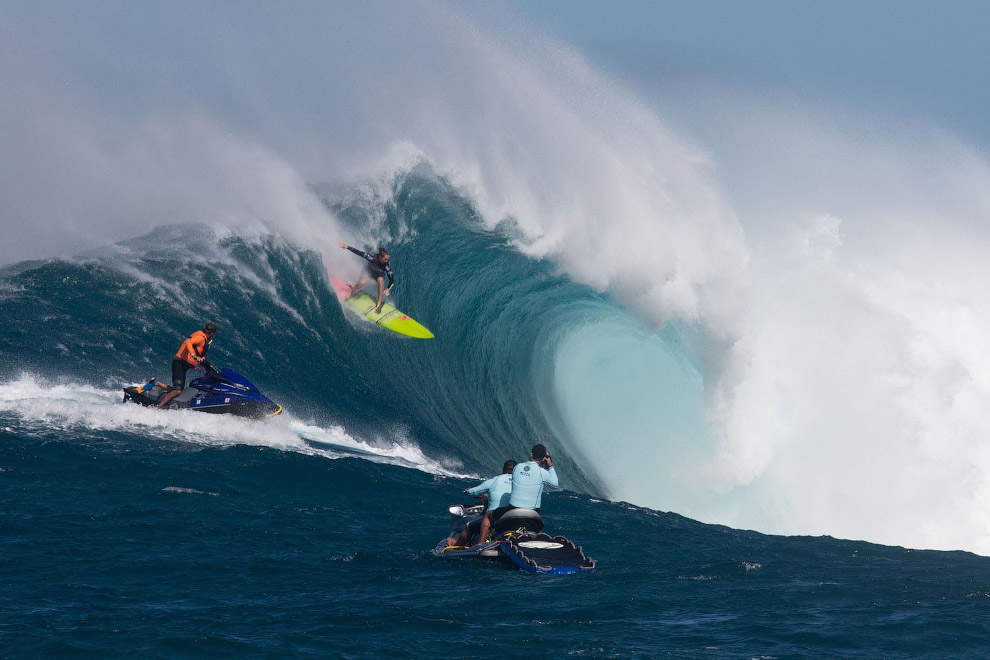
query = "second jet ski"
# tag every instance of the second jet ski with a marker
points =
(518, 537)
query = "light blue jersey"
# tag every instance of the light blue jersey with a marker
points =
(498, 489)
(528, 480)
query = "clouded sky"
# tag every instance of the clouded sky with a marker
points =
(902, 57)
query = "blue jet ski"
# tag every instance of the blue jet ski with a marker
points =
(224, 392)
(518, 537)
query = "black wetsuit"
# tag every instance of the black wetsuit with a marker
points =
(376, 267)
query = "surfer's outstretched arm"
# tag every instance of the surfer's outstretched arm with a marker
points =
(361, 253)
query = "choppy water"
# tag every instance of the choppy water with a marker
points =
(119, 544)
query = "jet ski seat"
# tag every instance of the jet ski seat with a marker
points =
(516, 519)
(185, 395)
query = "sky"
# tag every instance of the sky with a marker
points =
(902, 57)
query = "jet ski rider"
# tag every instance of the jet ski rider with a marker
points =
(377, 268)
(190, 355)
(528, 480)
(497, 490)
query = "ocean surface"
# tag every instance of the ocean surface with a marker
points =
(135, 533)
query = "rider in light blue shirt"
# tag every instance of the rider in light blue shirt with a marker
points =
(529, 478)
(498, 490)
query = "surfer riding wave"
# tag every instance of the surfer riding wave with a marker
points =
(377, 268)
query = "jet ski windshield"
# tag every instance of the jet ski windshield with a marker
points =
(232, 377)
(227, 377)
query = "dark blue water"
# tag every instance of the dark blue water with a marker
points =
(120, 547)
(127, 532)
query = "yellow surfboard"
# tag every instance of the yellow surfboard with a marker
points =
(389, 317)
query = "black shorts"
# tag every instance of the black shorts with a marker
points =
(179, 369)
(499, 512)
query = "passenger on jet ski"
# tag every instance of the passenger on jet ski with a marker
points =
(528, 481)
(190, 355)
(497, 490)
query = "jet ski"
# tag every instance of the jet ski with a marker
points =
(219, 391)
(518, 537)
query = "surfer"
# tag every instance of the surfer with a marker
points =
(189, 356)
(497, 490)
(377, 268)
(528, 480)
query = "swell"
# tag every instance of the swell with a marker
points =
(474, 397)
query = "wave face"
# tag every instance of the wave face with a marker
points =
(477, 396)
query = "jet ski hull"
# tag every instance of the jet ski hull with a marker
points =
(488, 550)
(218, 392)
(518, 538)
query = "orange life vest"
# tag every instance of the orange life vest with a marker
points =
(193, 346)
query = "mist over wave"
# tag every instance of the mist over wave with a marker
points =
(781, 330)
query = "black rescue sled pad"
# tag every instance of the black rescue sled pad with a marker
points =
(542, 553)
